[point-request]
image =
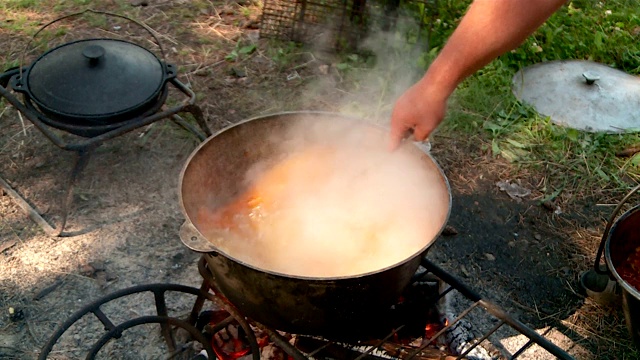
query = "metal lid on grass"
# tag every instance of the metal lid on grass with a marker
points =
(583, 95)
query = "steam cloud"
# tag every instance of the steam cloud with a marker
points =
(365, 91)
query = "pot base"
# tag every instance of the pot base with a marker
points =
(88, 128)
(342, 310)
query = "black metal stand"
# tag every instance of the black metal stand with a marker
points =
(453, 284)
(208, 292)
(84, 147)
(113, 331)
(167, 324)
(534, 337)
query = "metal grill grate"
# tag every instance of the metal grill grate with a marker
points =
(305, 347)
(478, 346)
(340, 23)
(315, 348)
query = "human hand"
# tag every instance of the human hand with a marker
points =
(419, 110)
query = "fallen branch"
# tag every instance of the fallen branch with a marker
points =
(8, 245)
(47, 290)
(630, 151)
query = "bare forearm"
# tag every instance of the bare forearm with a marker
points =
(489, 29)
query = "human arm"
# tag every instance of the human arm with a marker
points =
(488, 29)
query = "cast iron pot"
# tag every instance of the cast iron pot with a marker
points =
(94, 82)
(91, 86)
(338, 307)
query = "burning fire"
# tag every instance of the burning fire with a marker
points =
(432, 328)
(231, 343)
(229, 350)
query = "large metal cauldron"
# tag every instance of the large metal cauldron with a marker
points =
(336, 307)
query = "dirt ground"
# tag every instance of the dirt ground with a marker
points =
(125, 218)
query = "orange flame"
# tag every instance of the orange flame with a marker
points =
(432, 328)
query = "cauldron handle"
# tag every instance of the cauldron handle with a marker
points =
(144, 26)
(194, 240)
(607, 229)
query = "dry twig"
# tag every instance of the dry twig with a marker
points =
(628, 152)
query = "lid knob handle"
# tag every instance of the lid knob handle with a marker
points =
(93, 53)
(590, 77)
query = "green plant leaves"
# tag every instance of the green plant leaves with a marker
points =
(246, 50)
(570, 159)
(603, 175)
(232, 56)
(491, 126)
(573, 134)
(517, 144)
(495, 148)
(240, 51)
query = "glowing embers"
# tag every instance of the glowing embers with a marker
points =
(414, 328)
(228, 340)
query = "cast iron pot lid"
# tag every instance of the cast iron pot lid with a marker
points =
(583, 95)
(95, 78)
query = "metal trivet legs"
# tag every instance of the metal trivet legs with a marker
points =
(202, 328)
(85, 147)
(90, 133)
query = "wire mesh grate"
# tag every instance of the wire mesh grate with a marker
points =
(454, 338)
(341, 23)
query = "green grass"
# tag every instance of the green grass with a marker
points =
(19, 23)
(19, 4)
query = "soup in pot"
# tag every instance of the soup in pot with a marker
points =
(324, 211)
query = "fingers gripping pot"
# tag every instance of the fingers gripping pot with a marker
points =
(331, 306)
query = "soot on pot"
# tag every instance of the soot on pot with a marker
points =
(331, 202)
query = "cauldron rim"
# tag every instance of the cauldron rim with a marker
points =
(420, 253)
